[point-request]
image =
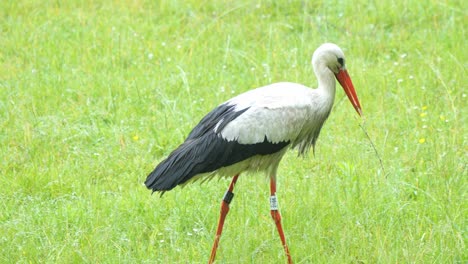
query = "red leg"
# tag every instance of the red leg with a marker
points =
(275, 214)
(224, 211)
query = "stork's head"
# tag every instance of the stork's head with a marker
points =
(330, 57)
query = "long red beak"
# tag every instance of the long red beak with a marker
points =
(343, 78)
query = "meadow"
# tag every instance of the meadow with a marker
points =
(94, 93)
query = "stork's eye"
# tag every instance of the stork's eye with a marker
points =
(341, 62)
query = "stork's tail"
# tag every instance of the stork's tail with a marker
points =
(172, 171)
(194, 156)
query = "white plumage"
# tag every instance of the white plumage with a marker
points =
(281, 112)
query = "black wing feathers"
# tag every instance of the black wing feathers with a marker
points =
(223, 112)
(205, 151)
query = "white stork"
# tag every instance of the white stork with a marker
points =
(252, 131)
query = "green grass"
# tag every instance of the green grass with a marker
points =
(94, 93)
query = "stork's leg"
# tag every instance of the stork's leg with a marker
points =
(275, 214)
(224, 211)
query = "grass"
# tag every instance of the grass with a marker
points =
(94, 93)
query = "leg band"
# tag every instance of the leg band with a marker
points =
(228, 197)
(273, 203)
